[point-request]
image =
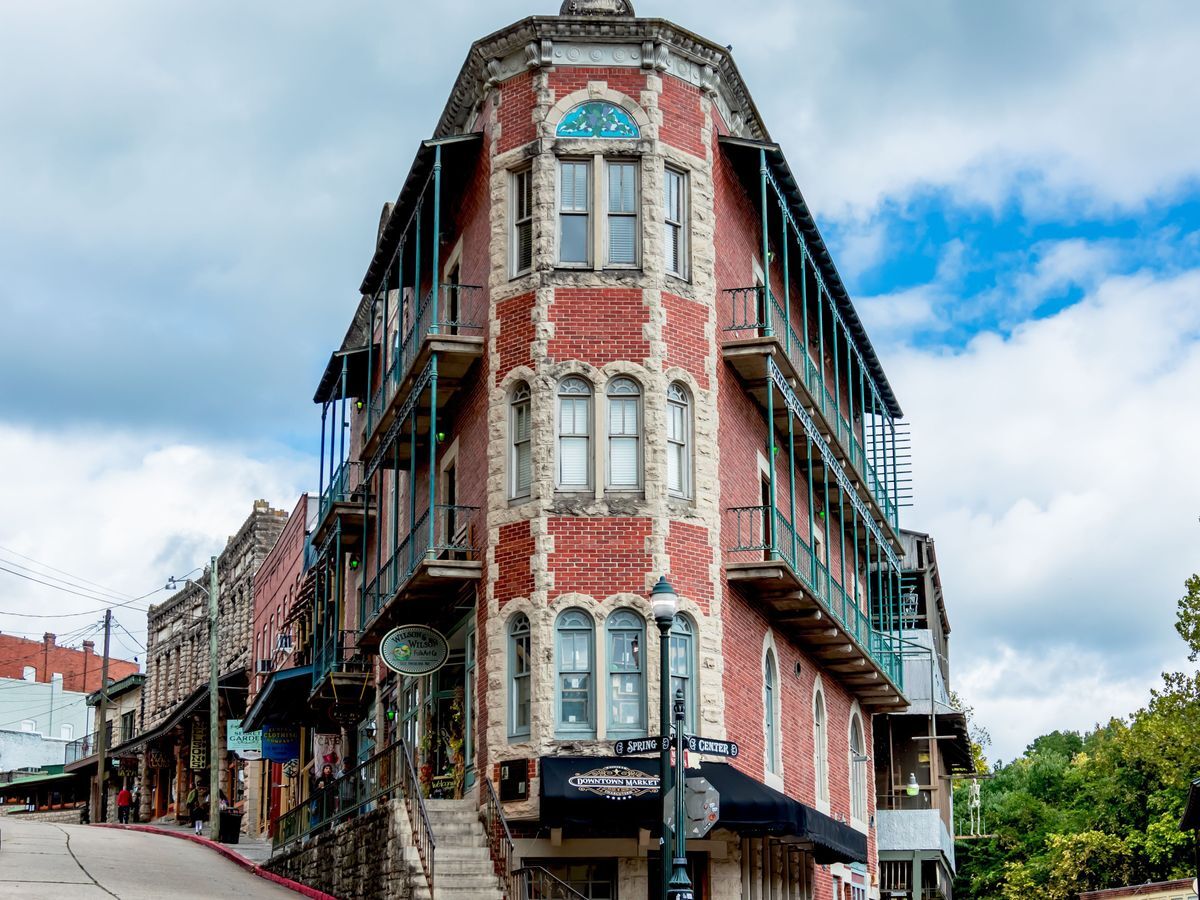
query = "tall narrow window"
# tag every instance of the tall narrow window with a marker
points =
(521, 240)
(518, 676)
(820, 748)
(858, 770)
(679, 435)
(770, 723)
(675, 223)
(574, 213)
(683, 668)
(622, 213)
(574, 434)
(626, 674)
(574, 683)
(624, 434)
(521, 459)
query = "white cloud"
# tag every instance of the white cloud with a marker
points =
(125, 510)
(1055, 467)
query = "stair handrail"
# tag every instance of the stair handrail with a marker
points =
(499, 838)
(549, 886)
(418, 816)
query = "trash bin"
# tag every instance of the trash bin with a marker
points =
(231, 827)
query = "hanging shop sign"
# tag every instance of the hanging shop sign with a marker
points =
(414, 650)
(280, 743)
(198, 757)
(327, 748)
(156, 759)
(127, 767)
(614, 782)
(246, 744)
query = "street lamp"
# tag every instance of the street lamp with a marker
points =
(680, 886)
(664, 603)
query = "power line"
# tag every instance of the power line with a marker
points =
(101, 600)
(103, 592)
(62, 572)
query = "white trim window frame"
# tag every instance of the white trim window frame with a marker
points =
(574, 434)
(770, 713)
(520, 675)
(624, 456)
(675, 222)
(858, 770)
(622, 214)
(575, 213)
(679, 441)
(520, 439)
(821, 749)
(520, 222)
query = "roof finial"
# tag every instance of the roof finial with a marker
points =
(596, 8)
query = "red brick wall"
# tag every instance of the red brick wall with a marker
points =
(682, 116)
(598, 325)
(276, 584)
(683, 333)
(516, 333)
(628, 81)
(691, 558)
(513, 553)
(599, 556)
(47, 658)
(517, 100)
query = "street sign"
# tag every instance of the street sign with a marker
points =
(701, 804)
(635, 746)
(710, 747)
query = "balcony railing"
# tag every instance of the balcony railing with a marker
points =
(765, 533)
(451, 536)
(389, 773)
(338, 652)
(341, 487)
(81, 748)
(748, 314)
(457, 313)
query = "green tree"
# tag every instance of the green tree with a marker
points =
(1187, 617)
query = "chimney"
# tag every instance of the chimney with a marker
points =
(48, 640)
(89, 647)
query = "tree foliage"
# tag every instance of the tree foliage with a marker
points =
(1079, 812)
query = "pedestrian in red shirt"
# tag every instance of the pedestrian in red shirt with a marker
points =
(124, 801)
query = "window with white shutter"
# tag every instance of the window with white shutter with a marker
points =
(574, 213)
(679, 441)
(622, 213)
(574, 434)
(675, 223)
(624, 434)
(520, 428)
(521, 239)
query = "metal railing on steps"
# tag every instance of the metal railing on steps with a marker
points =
(524, 882)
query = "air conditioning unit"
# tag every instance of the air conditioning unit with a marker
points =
(265, 666)
(283, 642)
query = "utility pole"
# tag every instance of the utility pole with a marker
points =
(214, 764)
(102, 731)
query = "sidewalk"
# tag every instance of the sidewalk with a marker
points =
(250, 855)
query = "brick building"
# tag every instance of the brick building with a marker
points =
(601, 341)
(42, 660)
(172, 738)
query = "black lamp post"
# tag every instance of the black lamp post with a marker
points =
(664, 603)
(680, 886)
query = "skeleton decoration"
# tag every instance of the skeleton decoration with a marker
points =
(596, 8)
(974, 807)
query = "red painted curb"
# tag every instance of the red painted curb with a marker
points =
(231, 855)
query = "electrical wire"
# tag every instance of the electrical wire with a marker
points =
(112, 595)
(62, 572)
(103, 601)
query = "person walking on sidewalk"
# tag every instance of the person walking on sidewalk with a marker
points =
(124, 801)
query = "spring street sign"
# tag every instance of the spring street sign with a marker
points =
(414, 650)
(636, 746)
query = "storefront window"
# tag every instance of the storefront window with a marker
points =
(595, 879)
(626, 678)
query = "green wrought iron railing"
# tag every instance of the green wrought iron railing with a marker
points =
(342, 485)
(459, 312)
(748, 314)
(337, 652)
(449, 535)
(766, 533)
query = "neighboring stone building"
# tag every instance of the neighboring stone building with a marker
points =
(602, 341)
(177, 670)
(78, 668)
(123, 724)
(920, 750)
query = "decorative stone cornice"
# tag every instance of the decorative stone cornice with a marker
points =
(592, 39)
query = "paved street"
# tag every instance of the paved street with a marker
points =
(45, 861)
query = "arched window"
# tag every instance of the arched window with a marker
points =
(575, 697)
(858, 770)
(519, 435)
(574, 434)
(626, 674)
(683, 668)
(518, 676)
(624, 434)
(770, 719)
(679, 441)
(820, 747)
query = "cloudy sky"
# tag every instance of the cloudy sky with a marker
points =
(189, 193)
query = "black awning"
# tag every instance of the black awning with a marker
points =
(354, 361)
(284, 698)
(1191, 809)
(610, 793)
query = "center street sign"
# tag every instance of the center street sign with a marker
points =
(710, 747)
(658, 743)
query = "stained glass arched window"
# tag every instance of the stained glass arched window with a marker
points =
(598, 119)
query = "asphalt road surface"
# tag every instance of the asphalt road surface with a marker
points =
(45, 861)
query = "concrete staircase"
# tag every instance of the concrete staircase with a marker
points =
(462, 864)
